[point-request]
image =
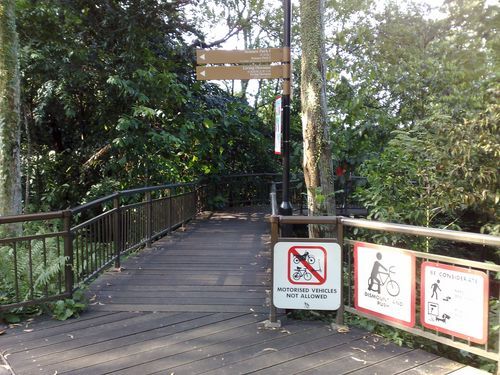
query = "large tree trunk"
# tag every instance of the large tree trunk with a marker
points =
(10, 172)
(318, 168)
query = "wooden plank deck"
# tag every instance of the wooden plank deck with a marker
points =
(193, 304)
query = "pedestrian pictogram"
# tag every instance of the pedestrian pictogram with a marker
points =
(307, 275)
(384, 279)
(454, 301)
(307, 265)
(435, 287)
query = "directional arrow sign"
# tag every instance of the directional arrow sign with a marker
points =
(242, 72)
(247, 56)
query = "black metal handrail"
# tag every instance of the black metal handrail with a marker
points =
(54, 253)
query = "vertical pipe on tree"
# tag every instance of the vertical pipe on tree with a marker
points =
(10, 170)
(286, 207)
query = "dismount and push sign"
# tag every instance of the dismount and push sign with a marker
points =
(385, 282)
(307, 275)
(455, 301)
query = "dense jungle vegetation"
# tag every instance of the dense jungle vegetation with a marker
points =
(110, 101)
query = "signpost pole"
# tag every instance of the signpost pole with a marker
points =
(286, 207)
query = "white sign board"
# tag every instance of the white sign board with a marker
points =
(277, 128)
(384, 282)
(307, 275)
(454, 300)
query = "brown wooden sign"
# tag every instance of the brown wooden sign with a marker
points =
(247, 56)
(242, 72)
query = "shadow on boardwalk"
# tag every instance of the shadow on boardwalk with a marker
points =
(193, 304)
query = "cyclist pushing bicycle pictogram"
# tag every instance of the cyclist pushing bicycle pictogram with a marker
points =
(380, 278)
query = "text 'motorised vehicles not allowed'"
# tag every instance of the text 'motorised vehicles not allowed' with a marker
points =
(307, 275)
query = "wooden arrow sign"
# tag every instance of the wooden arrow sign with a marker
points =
(246, 56)
(204, 73)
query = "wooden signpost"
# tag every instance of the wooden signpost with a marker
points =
(252, 61)
(241, 72)
(247, 56)
(261, 63)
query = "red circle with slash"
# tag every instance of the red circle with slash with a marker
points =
(318, 276)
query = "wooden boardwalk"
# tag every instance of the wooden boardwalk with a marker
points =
(193, 304)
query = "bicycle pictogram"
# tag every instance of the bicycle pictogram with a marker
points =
(300, 273)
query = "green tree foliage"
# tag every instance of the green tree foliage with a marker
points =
(442, 173)
(359, 113)
(111, 102)
(441, 166)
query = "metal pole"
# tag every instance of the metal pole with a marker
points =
(149, 219)
(117, 231)
(286, 207)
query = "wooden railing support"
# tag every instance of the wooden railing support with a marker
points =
(273, 321)
(340, 239)
(68, 252)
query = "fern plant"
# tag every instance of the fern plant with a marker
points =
(31, 268)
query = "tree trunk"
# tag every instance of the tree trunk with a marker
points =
(318, 168)
(10, 171)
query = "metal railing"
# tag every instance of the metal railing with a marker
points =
(238, 190)
(51, 254)
(122, 222)
(297, 195)
(36, 267)
(490, 349)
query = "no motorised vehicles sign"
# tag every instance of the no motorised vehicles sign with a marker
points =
(384, 282)
(454, 300)
(307, 275)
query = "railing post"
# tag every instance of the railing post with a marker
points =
(149, 218)
(200, 199)
(68, 252)
(182, 200)
(301, 199)
(274, 200)
(340, 239)
(194, 201)
(117, 230)
(498, 342)
(231, 194)
(171, 210)
(273, 321)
